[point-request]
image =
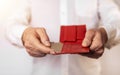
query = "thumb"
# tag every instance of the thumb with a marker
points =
(43, 36)
(46, 42)
(88, 38)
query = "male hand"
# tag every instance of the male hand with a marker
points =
(95, 39)
(36, 42)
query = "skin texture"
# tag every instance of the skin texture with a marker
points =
(95, 39)
(37, 44)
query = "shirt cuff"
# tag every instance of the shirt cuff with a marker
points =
(14, 34)
(111, 34)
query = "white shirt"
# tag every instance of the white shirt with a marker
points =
(51, 14)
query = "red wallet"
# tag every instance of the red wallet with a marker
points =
(71, 38)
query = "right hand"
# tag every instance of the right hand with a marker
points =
(36, 42)
(95, 39)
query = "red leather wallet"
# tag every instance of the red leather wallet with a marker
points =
(71, 38)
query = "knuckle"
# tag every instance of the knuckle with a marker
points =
(87, 41)
(91, 31)
(27, 44)
(97, 32)
(43, 50)
(100, 52)
(38, 50)
(41, 28)
(28, 50)
(93, 46)
(100, 45)
(37, 54)
(32, 54)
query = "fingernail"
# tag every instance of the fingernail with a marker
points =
(84, 44)
(47, 43)
(52, 52)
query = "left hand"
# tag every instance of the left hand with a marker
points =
(95, 39)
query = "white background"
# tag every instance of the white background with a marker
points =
(15, 61)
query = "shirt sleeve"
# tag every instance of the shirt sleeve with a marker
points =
(110, 18)
(17, 23)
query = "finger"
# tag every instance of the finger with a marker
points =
(88, 38)
(35, 54)
(39, 46)
(97, 42)
(94, 54)
(99, 53)
(34, 51)
(43, 36)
